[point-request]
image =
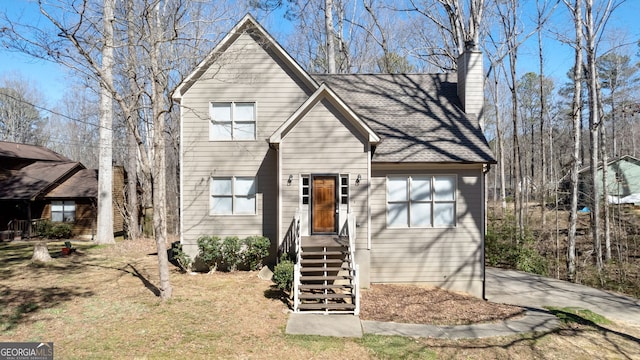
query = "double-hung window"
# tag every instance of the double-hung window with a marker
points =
(63, 211)
(233, 196)
(421, 201)
(232, 121)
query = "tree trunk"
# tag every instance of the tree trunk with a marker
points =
(594, 130)
(133, 214)
(105, 174)
(500, 141)
(41, 252)
(576, 127)
(158, 84)
(605, 193)
(543, 108)
(517, 163)
(328, 26)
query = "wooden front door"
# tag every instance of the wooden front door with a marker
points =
(323, 204)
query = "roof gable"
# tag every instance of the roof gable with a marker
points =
(248, 23)
(82, 184)
(323, 92)
(36, 179)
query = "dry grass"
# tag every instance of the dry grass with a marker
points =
(100, 303)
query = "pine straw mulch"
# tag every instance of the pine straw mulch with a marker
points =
(427, 305)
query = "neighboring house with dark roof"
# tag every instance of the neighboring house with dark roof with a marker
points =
(360, 178)
(37, 183)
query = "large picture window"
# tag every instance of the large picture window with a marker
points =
(233, 196)
(63, 211)
(421, 201)
(232, 121)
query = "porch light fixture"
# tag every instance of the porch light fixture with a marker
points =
(289, 180)
(358, 179)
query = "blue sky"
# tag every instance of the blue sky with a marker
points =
(53, 81)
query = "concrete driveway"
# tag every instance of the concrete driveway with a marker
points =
(523, 289)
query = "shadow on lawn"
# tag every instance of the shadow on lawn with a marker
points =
(623, 345)
(18, 303)
(273, 292)
(20, 298)
(14, 254)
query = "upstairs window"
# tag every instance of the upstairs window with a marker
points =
(421, 201)
(232, 121)
(63, 211)
(233, 196)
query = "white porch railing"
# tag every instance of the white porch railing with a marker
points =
(297, 241)
(351, 234)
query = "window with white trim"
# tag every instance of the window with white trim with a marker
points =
(63, 211)
(232, 121)
(233, 196)
(421, 201)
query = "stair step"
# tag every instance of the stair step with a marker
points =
(308, 296)
(323, 269)
(322, 253)
(333, 306)
(323, 278)
(322, 261)
(324, 287)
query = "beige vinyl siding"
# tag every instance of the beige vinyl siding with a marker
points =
(445, 257)
(323, 142)
(244, 73)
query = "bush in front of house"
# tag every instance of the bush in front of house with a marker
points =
(232, 253)
(256, 249)
(210, 251)
(59, 231)
(42, 228)
(283, 274)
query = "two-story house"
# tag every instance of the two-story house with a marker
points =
(363, 178)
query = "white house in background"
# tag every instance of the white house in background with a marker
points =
(361, 178)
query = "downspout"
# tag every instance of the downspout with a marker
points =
(483, 178)
(181, 180)
(369, 198)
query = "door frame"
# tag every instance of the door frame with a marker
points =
(336, 203)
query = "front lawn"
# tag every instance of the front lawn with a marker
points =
(100, 303)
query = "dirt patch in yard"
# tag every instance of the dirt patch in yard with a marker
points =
(428, 305)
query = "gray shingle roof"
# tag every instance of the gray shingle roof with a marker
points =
(418, 117)
(34, 179)
(31, 152)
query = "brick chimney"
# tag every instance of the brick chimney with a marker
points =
(471, 81)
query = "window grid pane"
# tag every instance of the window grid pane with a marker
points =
(397, 189)
(443, 214)
(398, 214)
(444, 188)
